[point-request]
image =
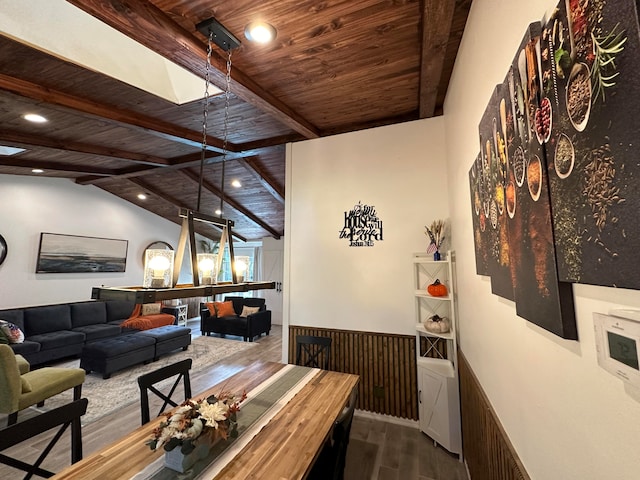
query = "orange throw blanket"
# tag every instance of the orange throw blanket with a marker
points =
(147, 322)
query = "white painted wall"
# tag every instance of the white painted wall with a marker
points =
(400, 170)
(272, 270)
(31, 205)
(567, 418)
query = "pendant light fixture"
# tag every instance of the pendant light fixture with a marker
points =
(204, 267)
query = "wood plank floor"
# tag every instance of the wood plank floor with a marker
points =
(378, 450)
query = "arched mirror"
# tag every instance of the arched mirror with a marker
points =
(159, 245)
(3, 249)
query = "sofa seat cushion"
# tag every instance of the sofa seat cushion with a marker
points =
(94, 332)
(26, 347)
(49, 381)
(167, 332)
(88, 313)
(234, 322)
(58, 339)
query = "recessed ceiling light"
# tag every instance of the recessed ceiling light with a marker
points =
(236, 183)
(7, 151)
(218, 211)
(34, 117)
(37, 170)
(260, 32)
(142, 196)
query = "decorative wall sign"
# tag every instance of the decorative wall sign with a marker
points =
(362, 227)
(73, 254)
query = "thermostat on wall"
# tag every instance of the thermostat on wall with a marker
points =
(618, 344)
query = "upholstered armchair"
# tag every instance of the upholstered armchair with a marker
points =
(18, 392)
(236, 321)
(23, 365)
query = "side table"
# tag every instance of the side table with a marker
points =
(178, 311)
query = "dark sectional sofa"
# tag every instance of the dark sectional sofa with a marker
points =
(247, 327)
(58, 331)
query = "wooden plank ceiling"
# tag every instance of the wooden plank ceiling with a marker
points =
(336, 66)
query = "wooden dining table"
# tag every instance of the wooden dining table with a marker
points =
(285, 448)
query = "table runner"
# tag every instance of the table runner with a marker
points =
(261, 405)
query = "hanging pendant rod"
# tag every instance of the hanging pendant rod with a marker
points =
(222, 37)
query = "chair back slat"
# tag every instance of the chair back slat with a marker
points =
(63, 416)
(313, 351)
(147, 383)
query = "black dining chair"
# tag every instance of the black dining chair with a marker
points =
(147, 383)
(63, 416)
(312, 351)
(332, 458)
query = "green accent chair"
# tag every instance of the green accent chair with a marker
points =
(23, 365)
(18, 392)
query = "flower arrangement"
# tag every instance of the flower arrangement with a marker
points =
(192, 419)
(436, 235)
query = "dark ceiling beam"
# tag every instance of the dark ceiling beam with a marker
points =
(148, 25)
(269, 142)
(437, 16)
(177, 163)
(109, 112)
(269, 184)
(147, 187)
(166, 197)
(232, 203)
(26, 139)
(23, 161)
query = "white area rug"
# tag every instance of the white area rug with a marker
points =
(107, 396)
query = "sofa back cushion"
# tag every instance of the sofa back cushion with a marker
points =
(38, 320)
(15, 316)
(119, 309)
(88, 313)
(239, 302)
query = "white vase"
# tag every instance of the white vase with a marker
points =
(178, 461)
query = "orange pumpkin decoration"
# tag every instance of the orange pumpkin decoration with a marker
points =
(437, 289)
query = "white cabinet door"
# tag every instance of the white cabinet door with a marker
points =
(439, 408)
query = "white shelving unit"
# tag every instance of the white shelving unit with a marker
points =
(437, 360)
(179, 311)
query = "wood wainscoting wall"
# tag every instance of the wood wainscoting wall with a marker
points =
(487, 449)
(385, 362)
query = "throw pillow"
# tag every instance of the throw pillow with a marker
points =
(151, 308)
(26, 386)
(12, 332)
(246, 311)
(212, 308)
(225, 309)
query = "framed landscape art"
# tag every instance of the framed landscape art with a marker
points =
(76, 254)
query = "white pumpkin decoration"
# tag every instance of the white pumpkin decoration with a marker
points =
(437, 324)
